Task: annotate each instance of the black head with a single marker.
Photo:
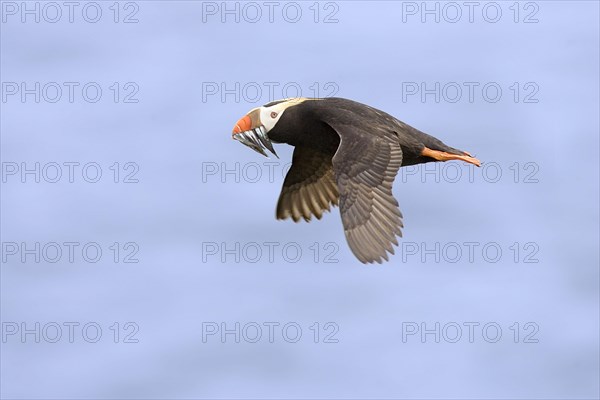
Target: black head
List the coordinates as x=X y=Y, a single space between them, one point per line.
x=278 y=121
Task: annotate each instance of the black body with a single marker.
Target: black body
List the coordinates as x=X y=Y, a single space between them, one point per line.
x=348 y=153
x=310 y=124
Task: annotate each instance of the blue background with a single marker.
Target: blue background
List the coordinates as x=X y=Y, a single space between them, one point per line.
x=175 y=132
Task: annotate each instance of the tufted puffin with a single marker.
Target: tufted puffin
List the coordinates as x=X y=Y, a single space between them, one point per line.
x=345 y=153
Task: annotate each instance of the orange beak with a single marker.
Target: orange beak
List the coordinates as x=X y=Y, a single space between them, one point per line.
x=243 y=125
x=249 y=131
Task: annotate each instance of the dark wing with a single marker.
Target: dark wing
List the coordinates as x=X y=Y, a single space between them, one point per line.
x=365 y=166
x=309 y=187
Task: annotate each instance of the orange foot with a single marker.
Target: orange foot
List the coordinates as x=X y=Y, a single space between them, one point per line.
x=443 y=156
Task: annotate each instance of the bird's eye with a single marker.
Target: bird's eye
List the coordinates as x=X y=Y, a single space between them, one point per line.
x=273 y=114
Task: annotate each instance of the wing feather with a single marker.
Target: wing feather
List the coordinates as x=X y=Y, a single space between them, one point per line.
x=309 y=187
x=365 y=166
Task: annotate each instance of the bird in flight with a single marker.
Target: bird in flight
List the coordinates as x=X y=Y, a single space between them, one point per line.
x=345 y=153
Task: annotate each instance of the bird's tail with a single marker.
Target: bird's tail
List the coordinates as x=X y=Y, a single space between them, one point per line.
x=436 y=150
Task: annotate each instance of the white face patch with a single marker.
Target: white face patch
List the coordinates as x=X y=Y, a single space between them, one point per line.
x=270 y=115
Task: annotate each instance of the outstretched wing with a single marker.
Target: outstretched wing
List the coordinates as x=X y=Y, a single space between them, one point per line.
x=309 y=187
x=365 y=166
